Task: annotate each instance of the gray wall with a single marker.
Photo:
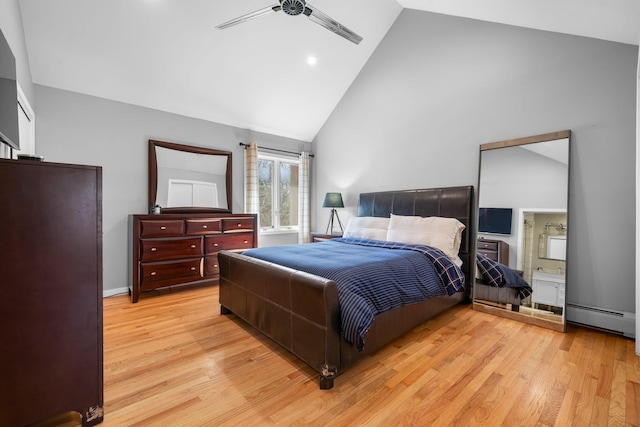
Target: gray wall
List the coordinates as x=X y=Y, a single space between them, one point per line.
x=438 y=86
x=75 y=128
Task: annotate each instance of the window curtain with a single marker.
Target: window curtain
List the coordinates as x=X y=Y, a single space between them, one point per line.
x=251 y=196
x=304 y=218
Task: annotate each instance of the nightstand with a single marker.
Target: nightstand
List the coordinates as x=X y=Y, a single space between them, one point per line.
x=496 y=250
x=321 y=237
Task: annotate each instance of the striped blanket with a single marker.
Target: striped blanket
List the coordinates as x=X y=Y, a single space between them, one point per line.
x=371 y=276
x=499 y=275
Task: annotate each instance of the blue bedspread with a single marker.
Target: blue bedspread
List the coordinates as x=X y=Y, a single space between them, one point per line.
x=371 y=276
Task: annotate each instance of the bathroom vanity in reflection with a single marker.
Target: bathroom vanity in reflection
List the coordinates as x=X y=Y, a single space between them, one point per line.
x=548 y=289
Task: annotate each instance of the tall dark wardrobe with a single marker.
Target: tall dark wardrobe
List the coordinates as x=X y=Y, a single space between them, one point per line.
x=51 y=356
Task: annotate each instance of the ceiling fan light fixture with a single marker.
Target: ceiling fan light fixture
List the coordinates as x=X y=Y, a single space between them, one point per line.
x=293 y=7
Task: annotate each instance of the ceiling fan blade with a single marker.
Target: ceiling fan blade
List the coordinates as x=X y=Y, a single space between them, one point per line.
x=331 y=24
x=239 y=20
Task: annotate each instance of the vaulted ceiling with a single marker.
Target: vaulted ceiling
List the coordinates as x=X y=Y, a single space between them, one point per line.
x=168 y=55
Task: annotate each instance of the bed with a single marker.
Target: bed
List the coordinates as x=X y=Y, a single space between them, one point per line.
x=301 y=311
x=498 y=284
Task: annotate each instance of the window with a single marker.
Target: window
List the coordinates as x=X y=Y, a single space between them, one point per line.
x=278 y=193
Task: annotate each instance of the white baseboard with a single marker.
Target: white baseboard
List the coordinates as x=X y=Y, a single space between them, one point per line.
x=111 y=292
x=617 y=321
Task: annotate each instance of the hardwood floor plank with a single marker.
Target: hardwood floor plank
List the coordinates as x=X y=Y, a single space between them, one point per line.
x=552 y=404
x=502 y=400
x=568 y=409
x=617 y=396
x=600 y=412
x=633 y=362
x=172 y=359
x=632 y=417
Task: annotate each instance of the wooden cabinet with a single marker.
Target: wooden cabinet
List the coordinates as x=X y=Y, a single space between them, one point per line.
x=176 y=249
x=51 y=284
x=321 y=237
x=496 y=250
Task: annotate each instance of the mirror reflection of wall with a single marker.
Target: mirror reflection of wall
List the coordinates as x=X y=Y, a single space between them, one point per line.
x=527 y=177
x=517 y=177
x=185 y=167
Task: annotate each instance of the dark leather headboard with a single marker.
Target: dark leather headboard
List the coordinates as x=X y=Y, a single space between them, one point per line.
x=452 y=202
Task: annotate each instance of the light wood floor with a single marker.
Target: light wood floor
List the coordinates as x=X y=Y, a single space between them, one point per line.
x=173 y=360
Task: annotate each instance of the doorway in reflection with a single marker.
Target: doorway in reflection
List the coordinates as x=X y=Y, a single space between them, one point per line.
x=542 y=260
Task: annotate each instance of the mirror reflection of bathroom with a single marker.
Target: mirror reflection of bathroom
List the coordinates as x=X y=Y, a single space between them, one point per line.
x=542 y=259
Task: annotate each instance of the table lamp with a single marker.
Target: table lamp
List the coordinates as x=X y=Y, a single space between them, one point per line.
x=333 y=201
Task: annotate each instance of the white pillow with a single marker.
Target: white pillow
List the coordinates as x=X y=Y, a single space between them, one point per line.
x=442 y=233
x=367 y=227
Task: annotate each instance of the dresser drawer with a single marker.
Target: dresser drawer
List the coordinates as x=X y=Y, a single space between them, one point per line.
x=204 y=226
x=211 y=267
x=492 y=255
x=215 y=244
x=161 y=228
x=237 y=224
x=489 y=246
x=157 y=274
x=165 y=249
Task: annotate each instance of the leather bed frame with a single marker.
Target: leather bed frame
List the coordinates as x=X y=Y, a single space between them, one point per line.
x=301 y=311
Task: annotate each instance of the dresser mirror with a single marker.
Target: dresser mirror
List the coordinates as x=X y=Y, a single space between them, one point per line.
x=522 y=224
x=189 y=179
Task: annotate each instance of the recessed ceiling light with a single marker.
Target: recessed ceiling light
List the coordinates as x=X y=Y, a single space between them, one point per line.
x=311 y=60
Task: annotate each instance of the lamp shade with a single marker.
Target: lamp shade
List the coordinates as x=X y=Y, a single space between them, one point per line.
x=333 y=200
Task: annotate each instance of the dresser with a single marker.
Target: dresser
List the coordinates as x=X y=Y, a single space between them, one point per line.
x=51 y=285
x=496 y=250
x=182 y=249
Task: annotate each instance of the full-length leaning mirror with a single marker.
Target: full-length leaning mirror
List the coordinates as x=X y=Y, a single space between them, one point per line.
x=185 y=178
x=522 y=225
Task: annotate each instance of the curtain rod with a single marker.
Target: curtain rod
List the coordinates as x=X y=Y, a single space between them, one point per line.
x=275 y=149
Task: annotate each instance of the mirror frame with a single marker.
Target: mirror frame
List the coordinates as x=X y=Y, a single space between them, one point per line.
x=503 y=312
x=153 y=176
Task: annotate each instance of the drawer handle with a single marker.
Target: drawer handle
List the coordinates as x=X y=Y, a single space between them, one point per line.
x=193 y=246
x=204 y=226
x=193 y=269
x=215 y=265
x=246 y=241
x=153 y=273
x=154 y=249
x=215 y=245
x=239 y=225
x=163 y=227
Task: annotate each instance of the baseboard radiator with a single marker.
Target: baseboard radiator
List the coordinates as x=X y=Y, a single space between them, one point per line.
x=620 y=322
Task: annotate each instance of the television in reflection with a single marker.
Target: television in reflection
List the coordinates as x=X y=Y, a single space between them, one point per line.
x=495 y=220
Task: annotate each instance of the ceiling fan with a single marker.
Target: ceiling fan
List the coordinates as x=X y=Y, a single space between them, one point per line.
x=298 y=7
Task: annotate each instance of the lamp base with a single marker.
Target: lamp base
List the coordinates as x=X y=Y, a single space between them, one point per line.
x=330 y=224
